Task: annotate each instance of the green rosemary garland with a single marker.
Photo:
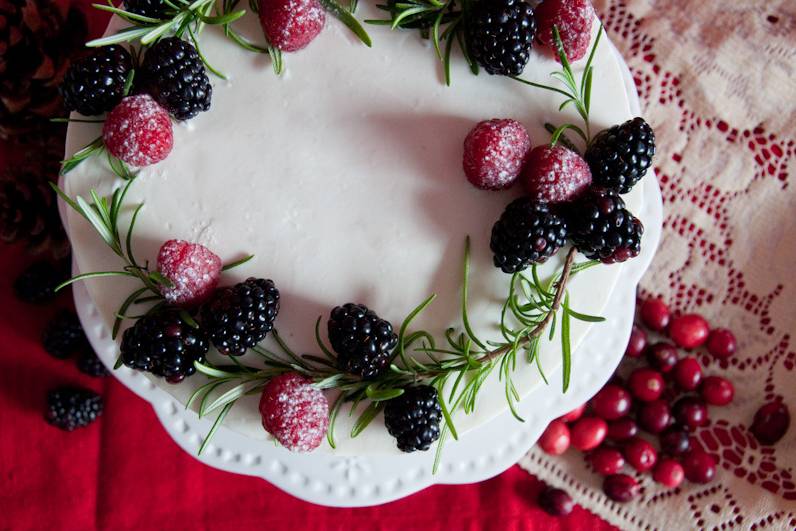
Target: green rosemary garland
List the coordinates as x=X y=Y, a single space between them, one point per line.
x=442 y=21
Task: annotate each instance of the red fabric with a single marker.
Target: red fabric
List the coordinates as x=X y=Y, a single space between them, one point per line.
x=124 y=471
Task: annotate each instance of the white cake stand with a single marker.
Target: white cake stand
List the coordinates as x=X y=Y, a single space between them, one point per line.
x=479 y=454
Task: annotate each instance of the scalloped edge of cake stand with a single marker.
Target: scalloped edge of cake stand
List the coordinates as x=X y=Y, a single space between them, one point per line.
x=329 y=480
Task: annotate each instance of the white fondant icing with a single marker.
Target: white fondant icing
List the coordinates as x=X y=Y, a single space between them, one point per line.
x=344 y=178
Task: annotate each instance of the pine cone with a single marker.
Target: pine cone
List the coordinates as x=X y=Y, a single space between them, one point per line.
x=29 y=213
x=37 y=40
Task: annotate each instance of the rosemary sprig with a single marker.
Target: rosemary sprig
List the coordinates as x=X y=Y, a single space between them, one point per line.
x=576 y=93
x=442 y=21
x=103 y=215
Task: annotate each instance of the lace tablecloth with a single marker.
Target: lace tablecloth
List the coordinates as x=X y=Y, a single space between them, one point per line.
x=717 y=82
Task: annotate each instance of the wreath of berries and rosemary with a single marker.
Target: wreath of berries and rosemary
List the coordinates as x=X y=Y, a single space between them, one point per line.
x=417 y=378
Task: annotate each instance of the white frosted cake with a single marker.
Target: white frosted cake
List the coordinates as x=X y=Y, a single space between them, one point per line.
x=343 y=177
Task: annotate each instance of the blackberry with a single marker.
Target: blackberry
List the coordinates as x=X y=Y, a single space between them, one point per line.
x=363 y=341
x=413 y=418
x=173 y=74
x=37 y=283
x=64 y=335
x=239 y=317
x=148 y=8
x=621 y=155
x=165 y=345
x=95 y=84
x=500 y=35
x=89 y=363
x=527 y=233
x=69 y=408
x=602 y=228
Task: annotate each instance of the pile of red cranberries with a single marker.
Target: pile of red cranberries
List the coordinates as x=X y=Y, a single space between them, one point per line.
x=660 y=392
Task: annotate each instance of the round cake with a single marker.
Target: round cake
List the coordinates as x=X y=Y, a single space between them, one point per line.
x=343 y=178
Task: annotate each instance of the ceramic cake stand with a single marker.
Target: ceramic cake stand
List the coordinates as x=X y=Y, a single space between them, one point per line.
x=481 y=453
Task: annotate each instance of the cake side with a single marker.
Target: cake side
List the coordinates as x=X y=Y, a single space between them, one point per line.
x=362 y=199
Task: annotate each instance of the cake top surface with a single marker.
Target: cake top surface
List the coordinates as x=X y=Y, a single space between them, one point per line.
x=343 y=178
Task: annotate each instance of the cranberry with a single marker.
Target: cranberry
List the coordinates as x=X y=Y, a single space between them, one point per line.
x=669 y=473
x=654 y=416
x=555 y=502
x=606 y=461
x=620 y=488
x=721 y=343
x=771 y=422
x=637 y=342
x=717 y=391
x=588 y=433
x=622 y=429
x=611 y=403
x=699 y=466
x=573 y=415
x=689 y=331
x=646 y=384
x=691 y=412
x=640 y=454
x=688 y=373
x=555 y=439
x=675 y=441
x=662 y=356
x=655 y=314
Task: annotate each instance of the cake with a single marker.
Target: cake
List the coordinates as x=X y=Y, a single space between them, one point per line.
x=343 y=178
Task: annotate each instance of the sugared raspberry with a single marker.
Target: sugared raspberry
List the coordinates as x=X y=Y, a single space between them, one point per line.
x=573 y=18
x=138 y=131
x=494 y=153
x=295 y=412
x=193 y=270
x=291 y=25
x=555 y=174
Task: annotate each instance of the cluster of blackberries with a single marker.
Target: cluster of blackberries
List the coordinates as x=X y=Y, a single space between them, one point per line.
x=172 y=72
x=167 y=342
x=365 y=345
x=596 y=222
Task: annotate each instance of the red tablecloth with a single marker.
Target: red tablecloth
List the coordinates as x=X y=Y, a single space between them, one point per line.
x=124 y=472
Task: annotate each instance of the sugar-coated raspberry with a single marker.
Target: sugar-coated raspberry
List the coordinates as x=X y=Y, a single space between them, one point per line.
x=291 y=25
x=193 y=270
x=495 y=152
x=573 y=18
x=295 y=412
x=555 y=174
x=138 y=131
